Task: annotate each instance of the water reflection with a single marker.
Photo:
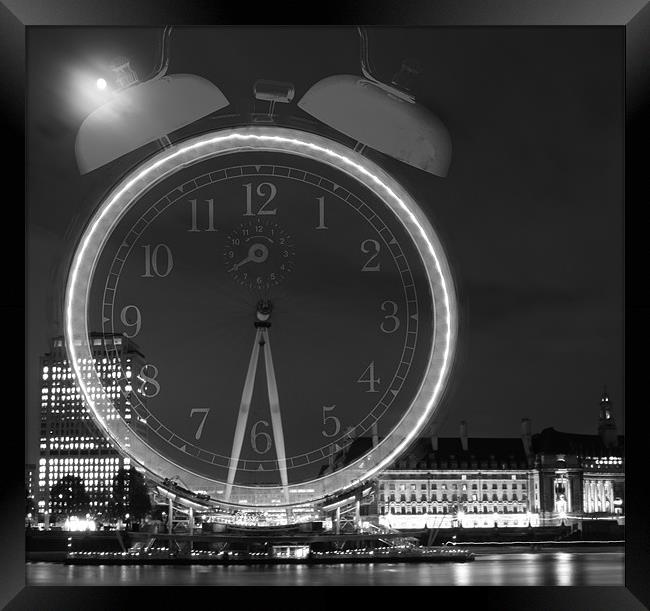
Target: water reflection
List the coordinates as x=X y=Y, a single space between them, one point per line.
x=520 y=569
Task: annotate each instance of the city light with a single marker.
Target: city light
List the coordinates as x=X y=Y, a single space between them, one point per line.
x=74 y=524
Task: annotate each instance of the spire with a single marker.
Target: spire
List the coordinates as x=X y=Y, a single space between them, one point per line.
x=606 y=423
x=605 y=407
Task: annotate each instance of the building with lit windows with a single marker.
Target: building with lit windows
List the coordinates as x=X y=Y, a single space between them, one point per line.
x=547 y=479
x=581 y=476
x=30 y=472
x=70 y=441
x=468 y=482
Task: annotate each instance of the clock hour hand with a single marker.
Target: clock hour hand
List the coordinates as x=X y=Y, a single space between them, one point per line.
x=276 y=418
x=244 y=408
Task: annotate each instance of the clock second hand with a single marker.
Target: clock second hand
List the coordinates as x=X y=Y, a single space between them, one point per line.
x=276 y=418
x=261 y=341
x=244 y=407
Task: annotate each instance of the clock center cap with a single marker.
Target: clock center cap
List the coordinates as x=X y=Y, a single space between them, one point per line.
x=258 y=253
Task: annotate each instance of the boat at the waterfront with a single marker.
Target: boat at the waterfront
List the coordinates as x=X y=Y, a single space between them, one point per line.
x=384 y=554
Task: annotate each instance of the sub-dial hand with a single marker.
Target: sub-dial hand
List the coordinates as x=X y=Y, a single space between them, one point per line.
x=257 y=253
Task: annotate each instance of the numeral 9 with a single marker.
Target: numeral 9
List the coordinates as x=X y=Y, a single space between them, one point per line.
x=138 y=319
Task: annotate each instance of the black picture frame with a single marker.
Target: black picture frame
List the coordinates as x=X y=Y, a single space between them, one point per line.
x=632 y=17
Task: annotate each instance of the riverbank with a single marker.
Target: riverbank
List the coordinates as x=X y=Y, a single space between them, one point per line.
x=475 y=549
x=557 y=568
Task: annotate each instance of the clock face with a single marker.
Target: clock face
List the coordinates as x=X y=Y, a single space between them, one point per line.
x=282 y=311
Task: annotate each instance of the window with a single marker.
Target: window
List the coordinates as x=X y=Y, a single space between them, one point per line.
x=484 y=486
x=454 y=487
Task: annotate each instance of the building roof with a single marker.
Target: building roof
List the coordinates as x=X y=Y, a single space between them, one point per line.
x=550 y=441
x=482 y=453
x=490 y=453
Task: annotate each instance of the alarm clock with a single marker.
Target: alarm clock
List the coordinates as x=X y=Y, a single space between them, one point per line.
x=289 y=301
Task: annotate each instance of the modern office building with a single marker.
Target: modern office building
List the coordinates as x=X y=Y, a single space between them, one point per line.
x=71 y=444
x=30 y=472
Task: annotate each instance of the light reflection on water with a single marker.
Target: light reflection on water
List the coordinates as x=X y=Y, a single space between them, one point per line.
x=525 y=569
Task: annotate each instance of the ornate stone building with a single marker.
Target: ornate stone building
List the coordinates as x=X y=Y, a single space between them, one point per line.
x=547 y=479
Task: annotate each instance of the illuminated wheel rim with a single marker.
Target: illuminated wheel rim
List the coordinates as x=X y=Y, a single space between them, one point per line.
x=269 y=139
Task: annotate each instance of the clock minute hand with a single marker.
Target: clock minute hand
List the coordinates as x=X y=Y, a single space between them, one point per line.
x=274 y=404
x=244 y=407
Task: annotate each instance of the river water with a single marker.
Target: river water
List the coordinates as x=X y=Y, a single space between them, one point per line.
x=489 y=569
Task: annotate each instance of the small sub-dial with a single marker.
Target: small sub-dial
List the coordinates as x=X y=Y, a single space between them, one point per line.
x=259 y=254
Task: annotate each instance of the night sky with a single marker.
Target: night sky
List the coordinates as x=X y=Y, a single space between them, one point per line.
x=530 y=214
